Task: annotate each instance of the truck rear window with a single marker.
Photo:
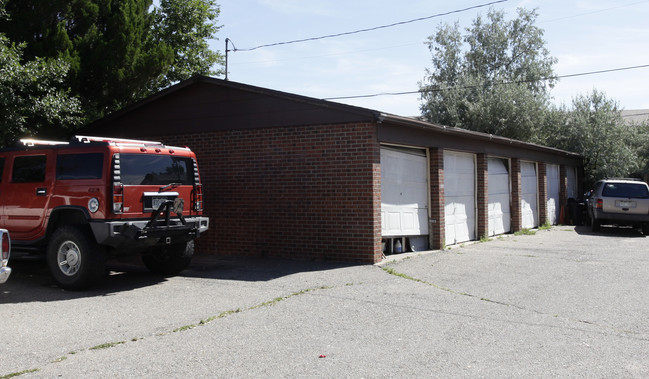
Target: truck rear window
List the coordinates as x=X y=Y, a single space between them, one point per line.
x=144 y=169
x=627 y=190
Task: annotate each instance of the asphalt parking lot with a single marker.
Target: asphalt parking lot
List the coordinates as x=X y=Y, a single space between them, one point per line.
x=562 y=302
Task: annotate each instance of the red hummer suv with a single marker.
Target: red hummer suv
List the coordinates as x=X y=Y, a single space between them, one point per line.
x=82 y=201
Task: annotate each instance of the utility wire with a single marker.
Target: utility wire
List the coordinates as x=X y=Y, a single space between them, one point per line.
x=503 y=83
x=593 y=12
x=369 y=29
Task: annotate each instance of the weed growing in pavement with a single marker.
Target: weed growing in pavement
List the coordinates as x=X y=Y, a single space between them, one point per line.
x=545 y=226
x=107 y=345
x=15 y=374
x=182 y=328
x=282 y=298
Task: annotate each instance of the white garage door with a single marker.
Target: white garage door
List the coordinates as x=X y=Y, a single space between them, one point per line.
x=459 y=197
x=498 y=183
x=552 y=174
x=529 y=189
x=571 y=174
x=404 y=192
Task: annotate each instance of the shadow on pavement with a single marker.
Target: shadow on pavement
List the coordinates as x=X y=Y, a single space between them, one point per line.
x=31 y=281
x=612 y=231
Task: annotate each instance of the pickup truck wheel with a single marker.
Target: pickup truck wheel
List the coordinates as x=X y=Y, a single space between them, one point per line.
x=169 y=260
x=645 y=229
x=595 y=225
x=74 y=258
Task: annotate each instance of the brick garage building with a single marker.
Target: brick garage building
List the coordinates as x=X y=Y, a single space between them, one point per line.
x=296 y=177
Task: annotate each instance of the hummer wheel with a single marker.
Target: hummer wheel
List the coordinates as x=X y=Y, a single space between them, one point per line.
x=74 y=258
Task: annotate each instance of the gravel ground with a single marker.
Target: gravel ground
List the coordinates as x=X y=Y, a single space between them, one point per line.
x=562 y=302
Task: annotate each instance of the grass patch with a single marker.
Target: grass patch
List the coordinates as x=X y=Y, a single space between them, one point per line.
x=525 y=232
x=545 y=226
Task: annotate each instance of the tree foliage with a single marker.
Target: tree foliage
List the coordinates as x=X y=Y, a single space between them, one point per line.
x=34 y=99
x=186 y=26
x=118 y=51
x=594 y=128
x=495 y=78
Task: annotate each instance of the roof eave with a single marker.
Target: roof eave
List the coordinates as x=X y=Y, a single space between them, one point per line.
x=411 y=122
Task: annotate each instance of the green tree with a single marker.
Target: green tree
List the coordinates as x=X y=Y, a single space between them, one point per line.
x=119 y=51
x=186 y=26
x=33 y=97
x=495 y=78
x=594 y=128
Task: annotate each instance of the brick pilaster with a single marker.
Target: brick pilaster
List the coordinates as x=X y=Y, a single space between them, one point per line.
x=437 y=231
x=542 y=179
x=563 y=195
x=517 y=218
x=482 y=195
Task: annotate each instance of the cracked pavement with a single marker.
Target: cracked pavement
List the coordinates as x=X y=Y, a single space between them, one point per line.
x=562 y=302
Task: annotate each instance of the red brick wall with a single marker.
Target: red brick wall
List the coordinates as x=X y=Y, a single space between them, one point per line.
x=309 y=192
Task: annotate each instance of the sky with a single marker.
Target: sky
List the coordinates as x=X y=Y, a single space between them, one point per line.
x=585 y=36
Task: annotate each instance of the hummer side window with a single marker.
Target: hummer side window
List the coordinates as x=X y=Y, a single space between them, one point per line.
x=79 y=166
x=29 y=169
x=2 y=167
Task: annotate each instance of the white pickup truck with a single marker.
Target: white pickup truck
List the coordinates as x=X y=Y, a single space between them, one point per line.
x=5 y=251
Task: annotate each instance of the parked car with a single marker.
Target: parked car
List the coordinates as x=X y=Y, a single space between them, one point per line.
x=91 y=198
x=5 y=252
x=619 y=202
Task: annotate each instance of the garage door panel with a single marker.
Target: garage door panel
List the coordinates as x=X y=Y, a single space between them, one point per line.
x=499 y=214
x=553 y=182
x=459 y=197
x=404 y=193
x=529 y=195
x=571 y=175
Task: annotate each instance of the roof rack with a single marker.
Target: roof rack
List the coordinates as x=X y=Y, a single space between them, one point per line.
x=80 y=140
x=628 y=179
x=88 y=139
x=39 y=142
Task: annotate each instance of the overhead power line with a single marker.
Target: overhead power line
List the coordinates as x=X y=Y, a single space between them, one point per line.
x=593 y=12
x=503 y=83
x=368 y=29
